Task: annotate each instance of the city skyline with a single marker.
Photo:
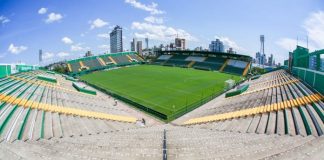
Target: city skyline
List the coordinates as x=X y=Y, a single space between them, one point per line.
x=66 y=31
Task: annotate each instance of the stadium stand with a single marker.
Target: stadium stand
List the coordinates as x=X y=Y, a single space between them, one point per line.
x=277 y=115
x=177 y=60
x=276 y=103
x=87 y=64
x=210 y=63
x=123 y=59
x=146 y=143
x=223 y=62
x=33 y=109
x=235 y=66
x=92 y=63
x=106 y=60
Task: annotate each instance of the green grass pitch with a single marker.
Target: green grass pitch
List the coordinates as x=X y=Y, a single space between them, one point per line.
x=163 y=89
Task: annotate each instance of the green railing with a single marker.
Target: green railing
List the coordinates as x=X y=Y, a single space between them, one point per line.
x=313 y=78
x=84 y=90
x=237 y=92
x=48 y=79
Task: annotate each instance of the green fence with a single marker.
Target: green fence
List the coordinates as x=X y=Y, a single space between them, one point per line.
x=313 y=78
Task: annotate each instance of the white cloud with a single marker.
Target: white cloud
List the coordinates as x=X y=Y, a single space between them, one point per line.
x=104 y=46
x=4 y=20
x=103 y=35
x=63 y=54
x=152 y=8
x=98 y=23
x=230 y=43
x=160 y=32
x=289 y=44
x=16 y=49
x=153 y=19
x=314 y=26
x=78 y=47
x=48 y=55
x=42 y=10
x=67 y=40
x=53 y=17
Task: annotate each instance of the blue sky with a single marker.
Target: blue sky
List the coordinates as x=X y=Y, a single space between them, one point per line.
x=67 y=29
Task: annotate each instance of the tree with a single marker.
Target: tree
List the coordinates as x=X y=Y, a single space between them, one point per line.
x=60 y=69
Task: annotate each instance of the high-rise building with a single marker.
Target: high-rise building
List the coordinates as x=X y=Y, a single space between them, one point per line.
x=170 y=47
x=263 y=60
x=199 y=48
x=258 y=58
x=88 y=54
x=262 y=44
x=146 y=43
x=230 y=50
x=116 y=40
x=40 y=55
x=270 y=60
x=180 y=44
x=134 y=44
x=216 y=46
x=139 y=47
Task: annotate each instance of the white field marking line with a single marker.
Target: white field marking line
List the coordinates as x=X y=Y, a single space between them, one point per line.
x=14 y=124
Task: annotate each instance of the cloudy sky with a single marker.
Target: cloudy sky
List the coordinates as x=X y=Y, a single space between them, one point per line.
x=67 y=29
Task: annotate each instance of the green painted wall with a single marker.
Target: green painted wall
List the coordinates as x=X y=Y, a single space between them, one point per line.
x=5 y=70
x=24 y=68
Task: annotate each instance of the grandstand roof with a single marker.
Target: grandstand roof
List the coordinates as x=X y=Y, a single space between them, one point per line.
x=207 y=53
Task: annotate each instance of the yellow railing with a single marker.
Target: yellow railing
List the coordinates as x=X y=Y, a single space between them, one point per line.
x=69 y=67
x=257 y=110
x=64 y=110
x=102 y=62
x=246 y=69
x=264 y=88
x=81 y=64
x=191 y=64
x=224 y=65
x=48 y=85
x=112 y=60
x=129 y=58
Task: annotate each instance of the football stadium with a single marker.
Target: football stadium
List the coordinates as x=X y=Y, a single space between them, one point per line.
x=175 y=107
x=161 y=80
